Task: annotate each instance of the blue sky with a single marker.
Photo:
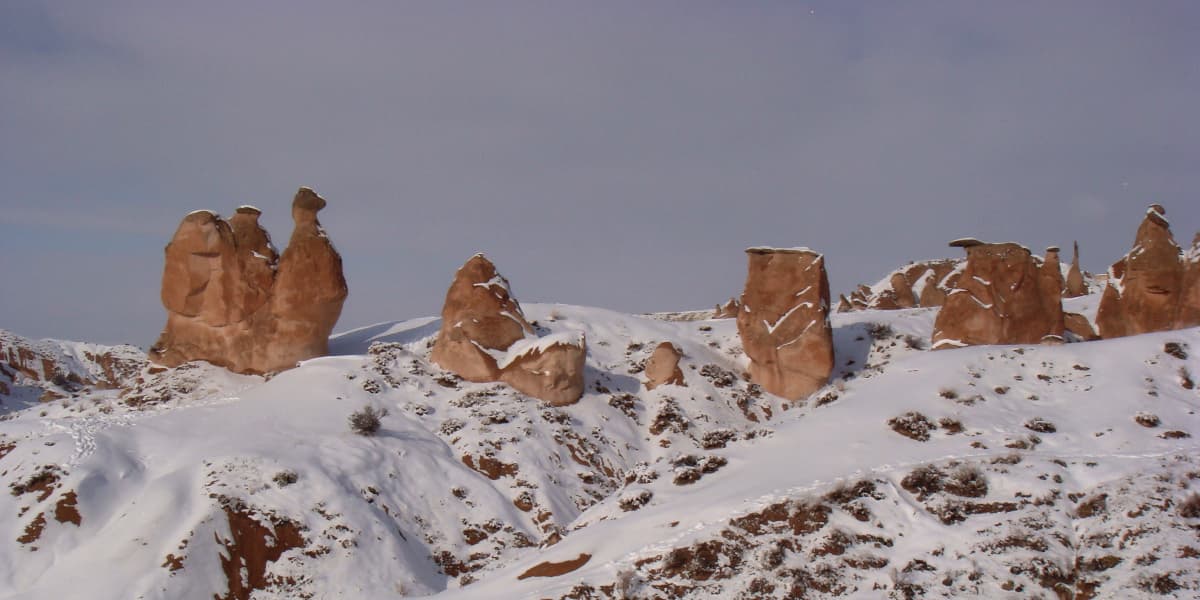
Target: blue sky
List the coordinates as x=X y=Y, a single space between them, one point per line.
x=618 y=154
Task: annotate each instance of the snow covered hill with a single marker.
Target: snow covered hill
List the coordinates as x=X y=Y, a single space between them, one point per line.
x=1004 y=471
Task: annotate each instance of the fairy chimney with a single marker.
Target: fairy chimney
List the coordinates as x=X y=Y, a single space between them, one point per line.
x=784 y=321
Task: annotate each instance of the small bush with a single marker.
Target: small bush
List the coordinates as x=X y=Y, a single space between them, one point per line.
x=1190 y=508
x=367 y=421
x=912 y=425
x=880 y=331
x=1040 y=425
x=968 y=482
x=952 y=426
x=948 y=393
x=914 y=343
x=285 y=478
x=1147 y=419
x=923 y=481
x=1176 y=349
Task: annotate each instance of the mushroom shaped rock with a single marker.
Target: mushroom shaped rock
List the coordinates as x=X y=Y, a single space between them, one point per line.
x=1146 y=288
x=480 y=319
x=1075 y=286
x=1050 y=284
x=784 y=322
x=997 y=300
x=662 y=368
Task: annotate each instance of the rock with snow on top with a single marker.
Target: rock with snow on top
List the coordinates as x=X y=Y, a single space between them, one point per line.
x=998 y=300
x=784 y=325
x=1154 y=287
x=662 y=368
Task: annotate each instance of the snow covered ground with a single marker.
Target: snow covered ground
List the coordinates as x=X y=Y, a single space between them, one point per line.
x=1025 y=472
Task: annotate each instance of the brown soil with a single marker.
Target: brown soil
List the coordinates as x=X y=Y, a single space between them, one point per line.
x=554 y=569
x=67 y=511
x=6 y=447
x=253 y=547
x=33 y=531
x=491 y=467
x=42 y=483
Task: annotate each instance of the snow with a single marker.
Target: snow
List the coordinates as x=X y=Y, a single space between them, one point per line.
x=380 y=506
x=772 y=250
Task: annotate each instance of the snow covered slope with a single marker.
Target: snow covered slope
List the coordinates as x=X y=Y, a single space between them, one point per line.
x=1013 y=471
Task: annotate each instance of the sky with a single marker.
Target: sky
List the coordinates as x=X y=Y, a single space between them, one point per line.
x=613 y=154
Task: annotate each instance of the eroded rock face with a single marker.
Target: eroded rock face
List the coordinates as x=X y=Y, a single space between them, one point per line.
x=1153 y=287
x=1075 y=286
x=662 y=368
x=233 y=301
x=998 y=299
x=484 y=337
x=784 y=322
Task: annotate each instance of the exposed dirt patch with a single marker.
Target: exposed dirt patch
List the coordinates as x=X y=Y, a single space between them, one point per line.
x=492 y=468
x=33 y=531
x=554 y=569
x=67 y=510
x=5 y=448
x=252 y=547
x=42 y=483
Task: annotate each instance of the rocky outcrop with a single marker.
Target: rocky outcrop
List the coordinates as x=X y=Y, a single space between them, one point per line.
x=484 y=337
x=784 y=321
x=1075 y=285
x=662 y=368
x=998 y=300
x=918 y=284
x=1153 y=287
x=232 y=301
x=729 y=310
x=43 y=370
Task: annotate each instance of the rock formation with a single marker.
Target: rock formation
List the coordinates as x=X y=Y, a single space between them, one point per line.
x=233 y=301
x=1050 y=284
x=662 y=368
x=1152 y=288
x=46 y=370
x=1075 y=286
x=922 y=284
x=729 y=310
x=784 y=322
x=998 y=300
x=1080 y=326
x=484 y=337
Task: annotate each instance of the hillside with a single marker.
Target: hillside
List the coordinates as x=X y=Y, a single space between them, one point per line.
x=1027 y=471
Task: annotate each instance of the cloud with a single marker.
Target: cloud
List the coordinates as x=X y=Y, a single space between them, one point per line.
x=614 y=154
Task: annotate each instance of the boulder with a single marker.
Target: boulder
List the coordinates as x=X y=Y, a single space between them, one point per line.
x=784 y=321
x=997 y=300
x=1080 y=326
x=662 y=368
x=484 y=337
x=1075 y=286
x=233 y=301
x=1153 y=287
x=916 y=284
x=549 y=369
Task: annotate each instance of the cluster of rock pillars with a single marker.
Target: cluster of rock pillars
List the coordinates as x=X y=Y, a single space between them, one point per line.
x=236 y=302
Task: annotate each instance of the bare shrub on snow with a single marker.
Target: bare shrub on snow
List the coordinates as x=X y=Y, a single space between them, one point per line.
x=367 y=421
